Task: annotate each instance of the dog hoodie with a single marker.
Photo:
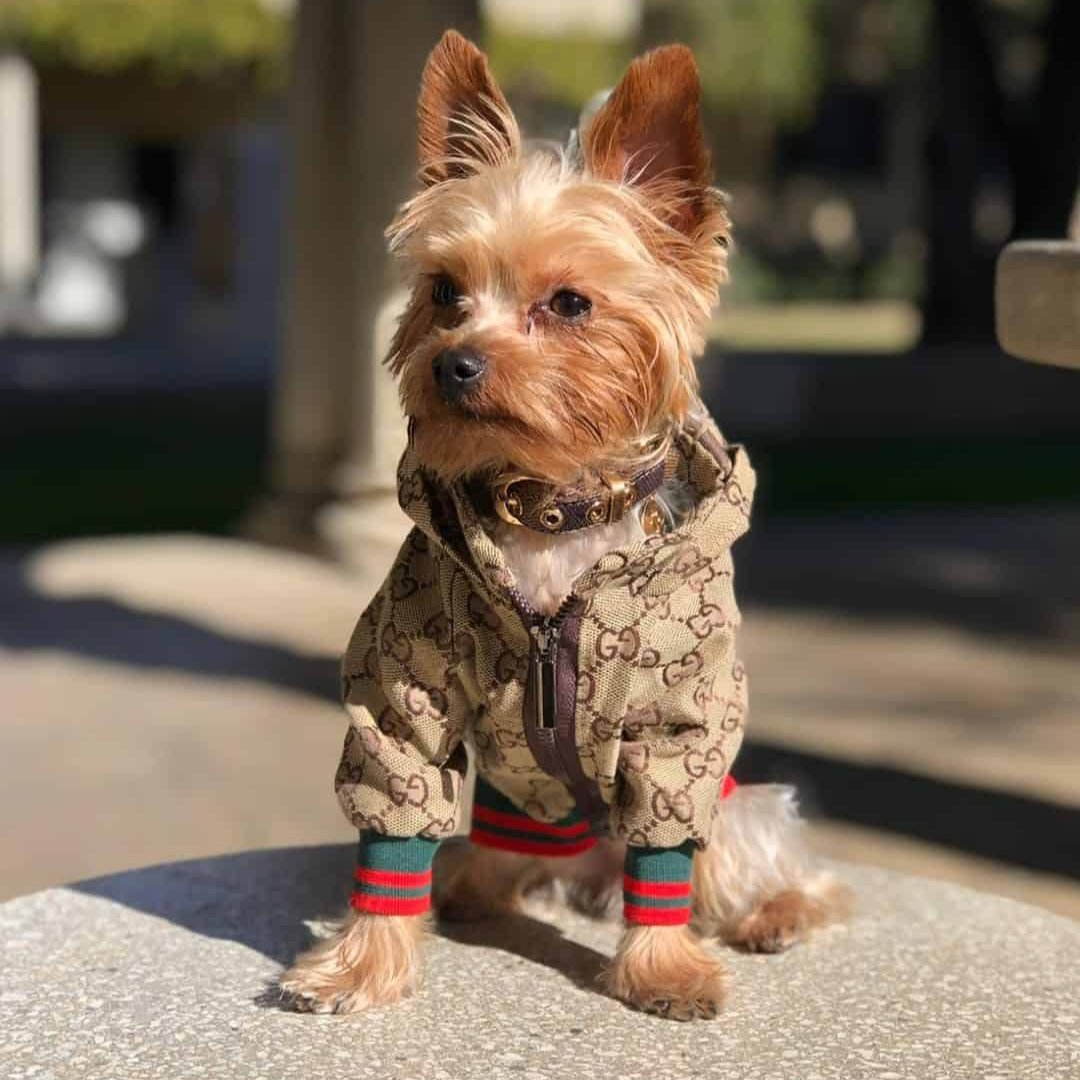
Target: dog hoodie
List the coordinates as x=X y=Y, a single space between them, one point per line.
x=620 y=715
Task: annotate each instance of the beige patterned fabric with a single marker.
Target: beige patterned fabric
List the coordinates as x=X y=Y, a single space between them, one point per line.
x=441 y=656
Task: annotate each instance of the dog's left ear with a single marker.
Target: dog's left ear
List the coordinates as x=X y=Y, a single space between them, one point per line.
x=648 y=133
x=464 y=120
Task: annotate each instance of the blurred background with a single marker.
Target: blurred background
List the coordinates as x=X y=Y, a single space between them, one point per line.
x=197 y=442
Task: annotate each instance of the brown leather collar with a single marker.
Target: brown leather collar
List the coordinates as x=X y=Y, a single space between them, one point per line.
x=547 y=508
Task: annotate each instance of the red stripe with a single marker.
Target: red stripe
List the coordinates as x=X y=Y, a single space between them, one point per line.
x=651 y=916
x=526 y=824
x=655 y=888
x=389 y=905
x=729 y=786
x=530 y=847
x=402 y=879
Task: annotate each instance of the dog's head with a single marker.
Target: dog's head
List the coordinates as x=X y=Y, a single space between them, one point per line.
x=557 y=305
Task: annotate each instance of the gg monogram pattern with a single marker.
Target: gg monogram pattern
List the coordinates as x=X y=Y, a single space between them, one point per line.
x=441 y=656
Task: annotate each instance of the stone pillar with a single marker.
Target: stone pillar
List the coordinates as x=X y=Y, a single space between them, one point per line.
x=338 y=431
x=19 y=190
x=310 y=409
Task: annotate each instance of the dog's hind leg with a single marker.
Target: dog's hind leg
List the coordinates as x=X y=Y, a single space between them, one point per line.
x=473 y=882
x=757 y=885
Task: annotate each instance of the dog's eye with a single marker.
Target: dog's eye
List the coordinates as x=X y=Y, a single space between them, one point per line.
x=444 y=292
x=570 y=305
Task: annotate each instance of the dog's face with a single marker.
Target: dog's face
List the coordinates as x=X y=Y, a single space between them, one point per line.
x=556 y=308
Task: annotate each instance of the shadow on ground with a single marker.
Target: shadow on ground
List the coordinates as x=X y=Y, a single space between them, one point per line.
x=263 y=900
x=1009 y=575
x=102 y=629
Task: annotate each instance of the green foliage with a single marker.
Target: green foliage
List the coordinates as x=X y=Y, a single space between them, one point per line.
x=176 y=39
x=566 y=69
x=767 y=55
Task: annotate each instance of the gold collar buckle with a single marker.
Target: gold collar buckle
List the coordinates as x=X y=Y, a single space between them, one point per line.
x=620 y=497
x=507 y=504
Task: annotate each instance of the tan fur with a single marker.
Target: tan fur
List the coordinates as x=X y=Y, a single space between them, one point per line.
x=757 y=884
x=473 y=883
x=666 y=970
x=368 y=960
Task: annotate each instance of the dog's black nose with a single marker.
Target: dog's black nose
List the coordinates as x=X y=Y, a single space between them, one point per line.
x=457 y=371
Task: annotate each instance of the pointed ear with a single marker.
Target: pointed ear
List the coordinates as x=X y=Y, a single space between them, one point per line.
x=464 y=120
x=648 y=133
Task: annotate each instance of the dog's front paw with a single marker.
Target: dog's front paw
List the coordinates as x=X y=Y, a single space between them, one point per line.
x=665 y=970
x=369 y=960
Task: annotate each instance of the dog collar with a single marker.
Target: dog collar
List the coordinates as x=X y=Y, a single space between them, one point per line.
x=548 y=508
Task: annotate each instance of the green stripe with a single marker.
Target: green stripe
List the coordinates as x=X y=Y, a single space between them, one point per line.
x=412 y=854
x=391 y=890
x=655 y=901
x=660 y=864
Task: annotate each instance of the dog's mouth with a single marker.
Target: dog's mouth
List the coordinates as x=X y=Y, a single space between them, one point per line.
x=478 y=412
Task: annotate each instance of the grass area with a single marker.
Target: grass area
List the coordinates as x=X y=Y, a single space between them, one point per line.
x=85 y=466
x=194 y=461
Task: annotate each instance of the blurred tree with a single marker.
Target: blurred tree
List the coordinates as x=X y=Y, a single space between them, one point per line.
x=975 y=125
x=173 y=39
x=764 y=54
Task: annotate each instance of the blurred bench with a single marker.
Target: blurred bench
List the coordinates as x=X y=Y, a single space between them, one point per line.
x=1037 y=301
x=168 y=972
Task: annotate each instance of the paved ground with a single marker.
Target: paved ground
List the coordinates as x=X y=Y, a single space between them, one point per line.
x=167 y=973
x=174 y=697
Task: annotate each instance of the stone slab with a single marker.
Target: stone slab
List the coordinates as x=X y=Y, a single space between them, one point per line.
x=1037 y=300
x=166 y=972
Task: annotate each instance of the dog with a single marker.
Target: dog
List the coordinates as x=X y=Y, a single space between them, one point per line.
x=563 y=608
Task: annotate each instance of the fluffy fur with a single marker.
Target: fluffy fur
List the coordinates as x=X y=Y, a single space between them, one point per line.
x=631 y=229
x=636 y=228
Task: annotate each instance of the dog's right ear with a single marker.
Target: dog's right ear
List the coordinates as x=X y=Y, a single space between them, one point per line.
x=465 y=122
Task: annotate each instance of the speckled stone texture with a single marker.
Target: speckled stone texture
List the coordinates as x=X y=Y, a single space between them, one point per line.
x=165 y=973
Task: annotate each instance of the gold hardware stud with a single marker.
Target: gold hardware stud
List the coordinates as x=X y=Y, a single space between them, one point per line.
x=552 y=518
x=595 y=514
x=652 y=520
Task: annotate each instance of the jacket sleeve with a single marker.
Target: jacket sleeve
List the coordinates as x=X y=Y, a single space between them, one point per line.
x=403 y=762
x=671 y=772
x=677 y=750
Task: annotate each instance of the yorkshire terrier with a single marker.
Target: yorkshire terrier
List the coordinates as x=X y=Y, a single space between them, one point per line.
x=563 y=606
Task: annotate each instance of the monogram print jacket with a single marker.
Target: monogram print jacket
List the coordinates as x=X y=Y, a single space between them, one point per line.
x=625 y=709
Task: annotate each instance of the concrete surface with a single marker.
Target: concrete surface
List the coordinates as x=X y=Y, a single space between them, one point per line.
x=1037 y=301
x=175 y=697
x=166 y=972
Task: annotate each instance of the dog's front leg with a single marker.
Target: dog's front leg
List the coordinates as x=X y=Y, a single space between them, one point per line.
x=666 y=970
x=369 y=960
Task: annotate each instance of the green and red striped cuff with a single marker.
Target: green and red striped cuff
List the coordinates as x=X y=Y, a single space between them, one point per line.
x=393 y=874
x=656 y=882
x=498 y=823
x=656 y=885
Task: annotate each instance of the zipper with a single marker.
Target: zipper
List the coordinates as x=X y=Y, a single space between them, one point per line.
x=550 y=717
x=545 y=673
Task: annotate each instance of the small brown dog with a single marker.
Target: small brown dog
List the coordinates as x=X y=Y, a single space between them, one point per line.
x=564 y=604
